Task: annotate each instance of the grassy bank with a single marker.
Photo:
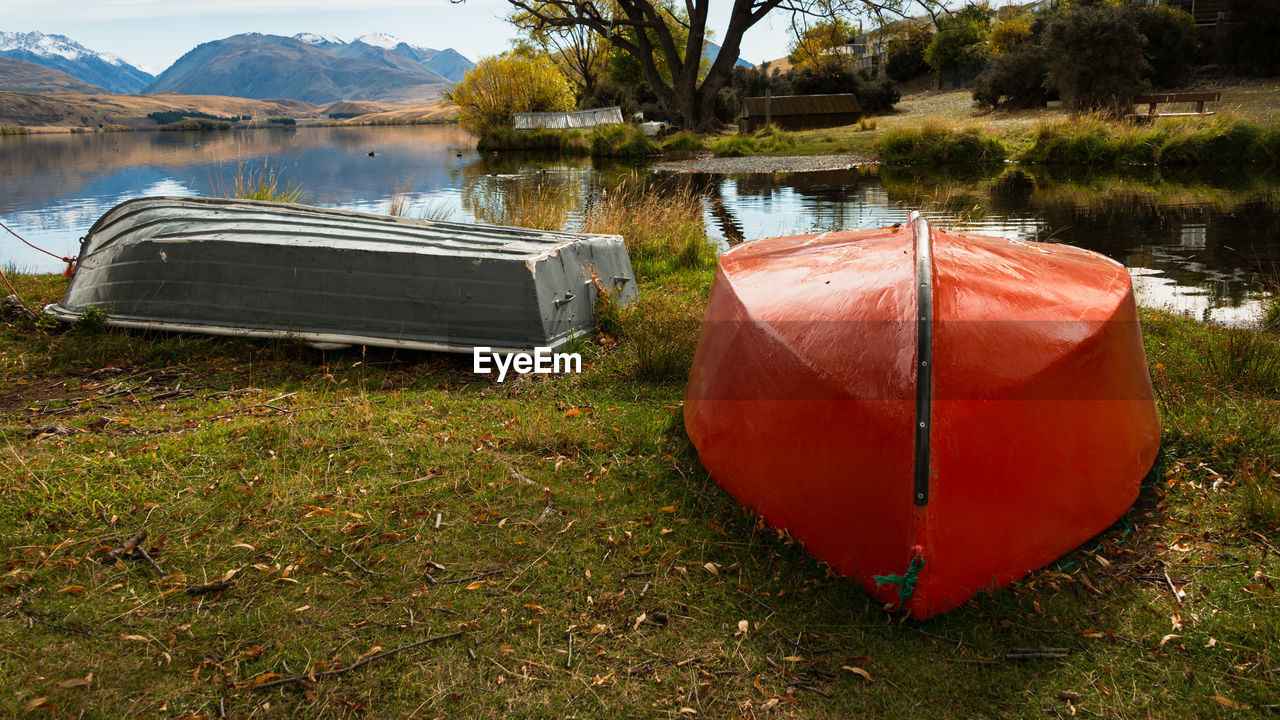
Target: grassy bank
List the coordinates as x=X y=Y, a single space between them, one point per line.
x=612 y=141
x=362 y=501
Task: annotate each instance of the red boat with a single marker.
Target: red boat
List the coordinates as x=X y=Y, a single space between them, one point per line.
x=932 y=413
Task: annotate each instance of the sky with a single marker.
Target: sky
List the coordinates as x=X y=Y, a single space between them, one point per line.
x=152 y=34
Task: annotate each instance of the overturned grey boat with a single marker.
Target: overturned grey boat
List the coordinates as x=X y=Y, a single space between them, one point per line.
x=333 y=277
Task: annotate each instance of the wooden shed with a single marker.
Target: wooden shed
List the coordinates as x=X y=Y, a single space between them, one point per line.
x=797 y=112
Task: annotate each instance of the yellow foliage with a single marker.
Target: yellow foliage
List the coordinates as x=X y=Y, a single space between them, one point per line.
x=499 y=86
x=1009 y=34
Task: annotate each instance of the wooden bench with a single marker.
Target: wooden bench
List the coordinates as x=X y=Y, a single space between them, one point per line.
x=1152 y=100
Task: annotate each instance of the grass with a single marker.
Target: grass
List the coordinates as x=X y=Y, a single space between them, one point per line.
x=614 y=141
x=940 y=145
x=13 y=130
x=267 y=182
x=768 y=140
x=564 y=526
x=1095 y=141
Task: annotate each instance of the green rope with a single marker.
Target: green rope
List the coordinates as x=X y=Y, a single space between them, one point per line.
x=906 y=582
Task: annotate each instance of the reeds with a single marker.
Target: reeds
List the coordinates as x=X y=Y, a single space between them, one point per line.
x=265 y=182
x=662 y=227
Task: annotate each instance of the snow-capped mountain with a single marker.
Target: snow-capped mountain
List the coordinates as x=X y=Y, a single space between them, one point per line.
x=380 y=39
x=391 y=51
x=308 y=67
x=318 y=39
x=60 y=52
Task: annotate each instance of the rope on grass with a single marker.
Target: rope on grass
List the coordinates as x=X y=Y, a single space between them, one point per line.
x=906 y=582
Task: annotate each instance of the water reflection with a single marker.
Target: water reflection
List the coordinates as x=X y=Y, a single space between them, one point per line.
x=1195 y=241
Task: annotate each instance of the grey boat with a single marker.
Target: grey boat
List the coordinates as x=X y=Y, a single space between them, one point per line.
x=333 y=278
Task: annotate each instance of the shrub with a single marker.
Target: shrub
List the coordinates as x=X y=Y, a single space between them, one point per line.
x=500 y=86
x=906 y=53
x=1171 y=43
x=1095 y=57
x=873 y=95
x=1251 y=47
x=1014 y=79
x=961 y=40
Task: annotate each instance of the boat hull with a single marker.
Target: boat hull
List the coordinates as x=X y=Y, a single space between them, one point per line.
x=235 y=267
x=1038 y=426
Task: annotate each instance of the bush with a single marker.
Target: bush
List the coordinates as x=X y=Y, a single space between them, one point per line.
x=906 y=53
x=961 y=40
x=1015 y=79
x=500 y=86
x=873 y=95
x=1171 y=43
x=1251 y=47
x=285 y=121
x=1095 y=57
x=939 y=145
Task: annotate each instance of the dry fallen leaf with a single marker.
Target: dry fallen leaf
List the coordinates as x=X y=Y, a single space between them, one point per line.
x=1167 y=638
x=39 y=702
x=263 y=678
x=134 y=638
x=743 y=627
x=712 y=568
x=477 y=585
x=857 y=671
x=73 y=589
x=1226 y=702
x=640 y=621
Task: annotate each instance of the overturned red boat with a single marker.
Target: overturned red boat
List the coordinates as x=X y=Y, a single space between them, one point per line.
x=932 y=413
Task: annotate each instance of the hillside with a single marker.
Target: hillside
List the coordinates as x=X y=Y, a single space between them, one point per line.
x=436 y=112
x=253 y=65
x=60 y=52
x=83 y=110
x=27 y=77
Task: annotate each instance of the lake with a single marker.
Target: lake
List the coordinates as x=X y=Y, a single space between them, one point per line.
x=1195 y=242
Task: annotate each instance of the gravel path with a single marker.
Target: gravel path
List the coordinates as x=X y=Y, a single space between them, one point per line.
x=765 y=164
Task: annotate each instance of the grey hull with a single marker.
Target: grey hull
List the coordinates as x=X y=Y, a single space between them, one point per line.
x=331 y=277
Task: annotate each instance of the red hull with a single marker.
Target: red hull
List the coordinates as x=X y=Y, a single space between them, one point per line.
x=802 y=402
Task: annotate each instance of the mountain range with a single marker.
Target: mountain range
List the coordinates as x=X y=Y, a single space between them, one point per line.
x=308 y=67
x=60 y=52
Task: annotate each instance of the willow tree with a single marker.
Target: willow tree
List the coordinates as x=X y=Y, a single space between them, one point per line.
x=661 y=35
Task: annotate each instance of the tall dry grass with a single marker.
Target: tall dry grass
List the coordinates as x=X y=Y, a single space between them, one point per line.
x=1095 y=140
x=662 y=226
x=260 y=182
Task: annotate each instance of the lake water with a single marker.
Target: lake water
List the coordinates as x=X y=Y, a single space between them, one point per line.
x=1194 y=242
